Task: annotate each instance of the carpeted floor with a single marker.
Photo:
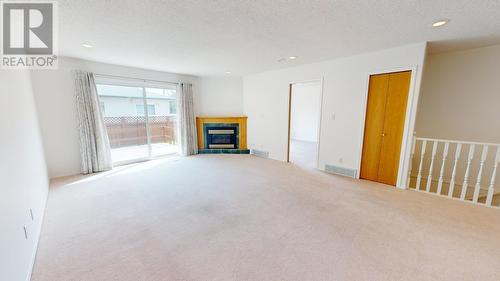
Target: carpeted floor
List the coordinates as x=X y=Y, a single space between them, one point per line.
x=238 y=217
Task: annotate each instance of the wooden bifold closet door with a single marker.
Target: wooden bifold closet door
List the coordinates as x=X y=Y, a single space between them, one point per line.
x=384 y=126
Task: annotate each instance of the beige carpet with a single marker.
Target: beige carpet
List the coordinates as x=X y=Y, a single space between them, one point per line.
x=235 y=217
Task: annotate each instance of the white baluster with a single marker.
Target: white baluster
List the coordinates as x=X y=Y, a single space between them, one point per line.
x=491 y=188
x=453 y=174
x=466 y=177
x=445 y=154
x=477 y=189
x=419 y=176
x=410 y=166
x=433 y=156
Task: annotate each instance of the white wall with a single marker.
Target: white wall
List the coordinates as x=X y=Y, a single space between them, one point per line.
x=461 y=96
x=220 y=96
x=23 y=176
x=55 y=100
x=306 y=106
x=265 y=99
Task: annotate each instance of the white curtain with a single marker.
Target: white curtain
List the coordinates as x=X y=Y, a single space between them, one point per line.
x=94 y=142
x=186 y=120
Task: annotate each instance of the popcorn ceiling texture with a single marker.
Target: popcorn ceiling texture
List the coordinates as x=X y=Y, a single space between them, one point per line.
x=245 y=37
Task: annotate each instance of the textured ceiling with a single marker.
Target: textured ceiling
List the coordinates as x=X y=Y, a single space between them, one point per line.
x=211 y=37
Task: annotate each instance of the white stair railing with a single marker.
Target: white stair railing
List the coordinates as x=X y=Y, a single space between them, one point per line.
x=435 y=174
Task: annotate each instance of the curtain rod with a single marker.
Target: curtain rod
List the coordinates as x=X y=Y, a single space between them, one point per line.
x=132 y=78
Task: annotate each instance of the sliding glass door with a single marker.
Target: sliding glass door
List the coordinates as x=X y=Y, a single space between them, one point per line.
x=141 y=119
x=162 y=120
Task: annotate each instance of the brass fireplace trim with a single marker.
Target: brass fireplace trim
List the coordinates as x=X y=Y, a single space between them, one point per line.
x=240 y=120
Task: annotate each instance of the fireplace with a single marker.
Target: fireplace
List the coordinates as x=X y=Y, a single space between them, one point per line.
x=221 y=136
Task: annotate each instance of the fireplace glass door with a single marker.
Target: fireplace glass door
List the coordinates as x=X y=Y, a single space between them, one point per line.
x=221 y=136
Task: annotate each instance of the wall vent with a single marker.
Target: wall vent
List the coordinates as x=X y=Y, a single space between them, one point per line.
x=260 y=153
x=341 y=171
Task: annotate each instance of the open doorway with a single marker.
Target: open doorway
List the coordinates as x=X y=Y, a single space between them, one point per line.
x=304 y=123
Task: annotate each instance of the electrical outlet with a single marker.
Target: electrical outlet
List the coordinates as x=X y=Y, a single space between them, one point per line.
x=341 y=160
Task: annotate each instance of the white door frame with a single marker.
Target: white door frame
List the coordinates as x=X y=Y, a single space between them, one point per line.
x=290 y=88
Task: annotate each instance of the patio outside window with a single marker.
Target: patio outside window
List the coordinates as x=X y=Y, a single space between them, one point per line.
x=141 y=120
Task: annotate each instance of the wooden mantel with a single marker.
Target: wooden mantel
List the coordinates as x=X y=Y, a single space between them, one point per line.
x=241 y=120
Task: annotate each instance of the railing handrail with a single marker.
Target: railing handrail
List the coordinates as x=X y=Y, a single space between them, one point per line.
x=457 y=141
x=475 y=150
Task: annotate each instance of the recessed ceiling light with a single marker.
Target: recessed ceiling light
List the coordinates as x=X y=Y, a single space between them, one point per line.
x=228 y=72
x=87 y=45
x=292 y=57
x=440 y=23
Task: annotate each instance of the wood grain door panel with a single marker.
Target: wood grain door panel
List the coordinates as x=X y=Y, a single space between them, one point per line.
x=394 y=122
x=374 y=124
x=384 y=126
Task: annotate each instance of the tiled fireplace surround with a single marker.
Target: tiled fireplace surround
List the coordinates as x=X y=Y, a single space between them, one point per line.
x=222 y=135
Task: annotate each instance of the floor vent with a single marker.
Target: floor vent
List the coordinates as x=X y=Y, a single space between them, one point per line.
x=260 y=153
x=341 y=171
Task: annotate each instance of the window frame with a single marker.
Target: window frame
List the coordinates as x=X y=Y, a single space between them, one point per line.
x=143 y=84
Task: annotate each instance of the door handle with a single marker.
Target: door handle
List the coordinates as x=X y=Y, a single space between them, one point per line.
x=383 y=134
